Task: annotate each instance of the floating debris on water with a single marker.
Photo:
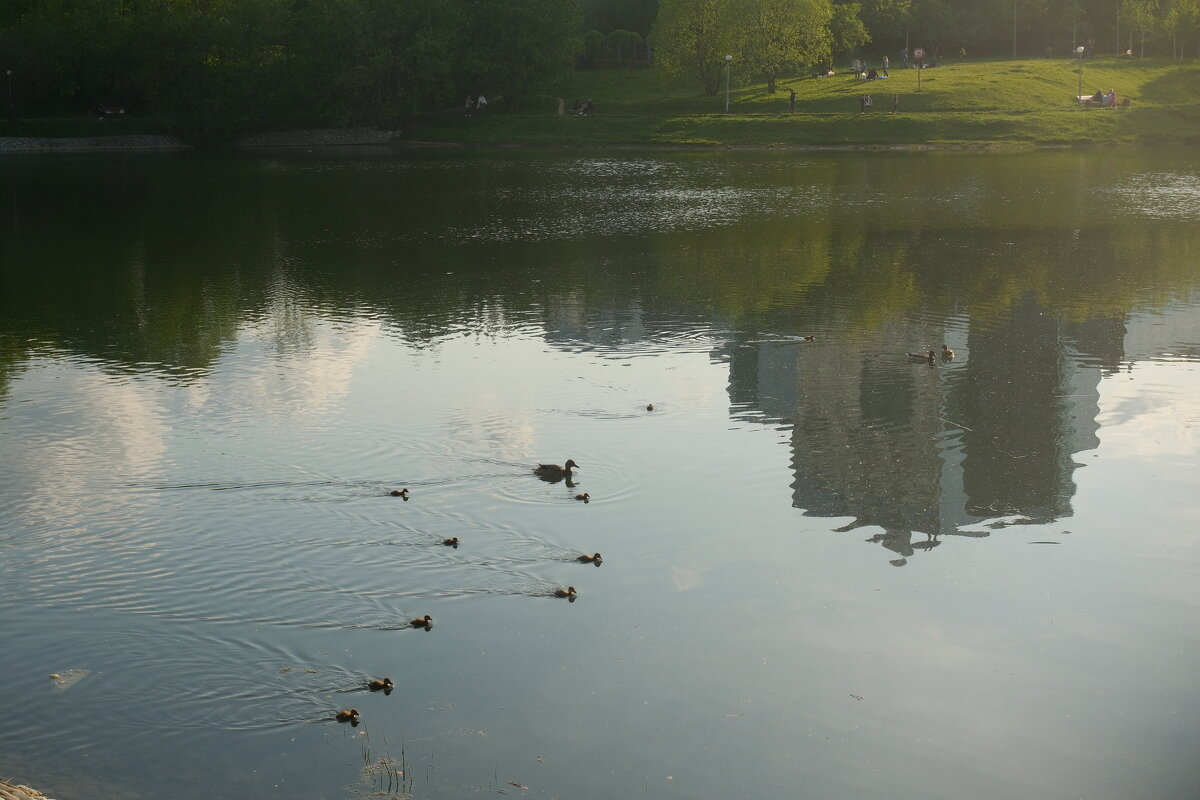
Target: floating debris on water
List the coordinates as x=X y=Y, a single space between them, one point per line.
x=67 y=679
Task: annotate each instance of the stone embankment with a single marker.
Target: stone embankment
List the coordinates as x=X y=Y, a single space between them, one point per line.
x=29 y=144
x=330 y=137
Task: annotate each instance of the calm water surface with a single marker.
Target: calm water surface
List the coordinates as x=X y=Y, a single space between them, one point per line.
x=829 y=571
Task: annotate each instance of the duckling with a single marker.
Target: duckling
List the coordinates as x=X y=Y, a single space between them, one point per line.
x=421 y=622
x=947 y=353
x=452 y=542
x=584 y=496
x=384 y=685
x=553 y=472
x=400 y=493
x=347 y=716
x=921 y=356
x=594 y=559
x=808 y=338
x=567 y=592
x=650 y=406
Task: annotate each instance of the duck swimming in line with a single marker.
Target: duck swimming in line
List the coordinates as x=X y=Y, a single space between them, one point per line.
x=453 y=542
x=384 y=685
x=650 y=406
x=567 y=592
x=553 y=472
x=808 y=338
x=422 y=622
x=347 y=716
x=594 y=559
x=400 y=493
x=921 y=356
x=585 y=497
x=947 y=353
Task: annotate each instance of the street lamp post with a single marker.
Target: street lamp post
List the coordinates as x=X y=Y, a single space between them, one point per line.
x=728 y=61
x=1079 y=55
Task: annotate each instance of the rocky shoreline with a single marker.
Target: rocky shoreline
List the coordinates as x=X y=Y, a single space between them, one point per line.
x=331 y=137
x=11 y=791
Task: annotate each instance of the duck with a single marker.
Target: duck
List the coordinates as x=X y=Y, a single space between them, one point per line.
x=947 y=353
x=553 y=472
x=592 y=559
x=452 y=542
x=650 y=406
x=808 y=338
x=421 y=622
x=567 y=592
x=380 y=685
x=400 y=493
x=921 y=356
x=347 y=716
x=584 y=496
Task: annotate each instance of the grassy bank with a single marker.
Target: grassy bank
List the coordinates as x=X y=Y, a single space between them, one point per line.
x=961 y=103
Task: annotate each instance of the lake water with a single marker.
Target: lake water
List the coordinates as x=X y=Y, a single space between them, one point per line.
x=829 y=571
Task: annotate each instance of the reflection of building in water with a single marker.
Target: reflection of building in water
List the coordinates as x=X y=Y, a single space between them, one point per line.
x=922 y=450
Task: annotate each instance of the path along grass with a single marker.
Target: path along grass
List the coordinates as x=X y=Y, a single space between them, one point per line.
x=960 y=103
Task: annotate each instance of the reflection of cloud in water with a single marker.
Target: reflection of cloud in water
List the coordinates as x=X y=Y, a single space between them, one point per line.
x=1151 y=420
x=113 y=428
x=306 y=379
x=685 y=577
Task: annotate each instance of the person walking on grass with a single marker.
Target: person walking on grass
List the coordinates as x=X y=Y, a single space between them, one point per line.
x=792 y=101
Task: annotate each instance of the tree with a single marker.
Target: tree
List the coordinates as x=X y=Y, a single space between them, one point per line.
x=846 y=29
x=626 y=43
x=692 y=37
x=782 y=35
x=1140 y=15
x=508 y=47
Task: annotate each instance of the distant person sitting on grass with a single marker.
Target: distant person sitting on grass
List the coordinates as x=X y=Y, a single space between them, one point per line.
x=588 y=109
x=576 y=106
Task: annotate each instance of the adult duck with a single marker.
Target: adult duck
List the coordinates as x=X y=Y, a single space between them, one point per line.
x=553 y=472
x=384 y=685
x=567 y=592
x=593 y=559
x=921 y=356
x=400 y=493
x=422 y=622
x=947 y=353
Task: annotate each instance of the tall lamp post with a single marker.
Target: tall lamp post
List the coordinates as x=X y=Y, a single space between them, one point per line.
x=728 y=61
x=1079 y=55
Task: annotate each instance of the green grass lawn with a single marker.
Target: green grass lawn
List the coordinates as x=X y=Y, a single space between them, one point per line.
x=969 y=103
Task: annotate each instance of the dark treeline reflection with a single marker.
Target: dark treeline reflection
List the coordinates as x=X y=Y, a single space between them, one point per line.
x=1033 y=266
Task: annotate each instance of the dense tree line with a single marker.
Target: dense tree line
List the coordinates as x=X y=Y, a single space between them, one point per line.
x=207 y=66
x=769 y=38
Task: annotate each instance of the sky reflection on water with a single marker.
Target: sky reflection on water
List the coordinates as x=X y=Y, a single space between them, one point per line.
x=200 y=425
